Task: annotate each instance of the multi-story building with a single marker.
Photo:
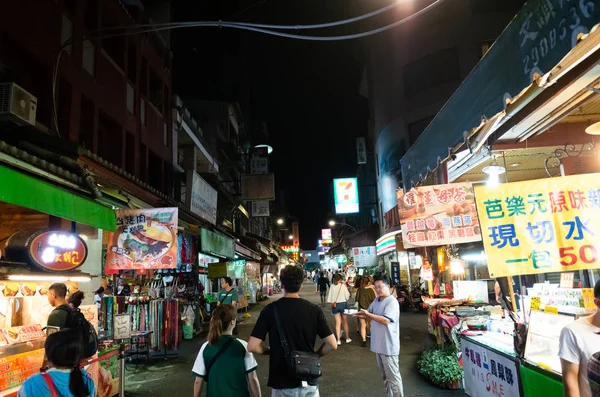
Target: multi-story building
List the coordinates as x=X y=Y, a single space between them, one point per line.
x=412 y=71
x=110 y=94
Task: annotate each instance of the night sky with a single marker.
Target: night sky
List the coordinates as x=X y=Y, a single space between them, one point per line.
x=306 y=92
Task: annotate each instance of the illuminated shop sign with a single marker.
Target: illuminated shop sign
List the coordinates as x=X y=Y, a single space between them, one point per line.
x=290 y=248
x=345 y=191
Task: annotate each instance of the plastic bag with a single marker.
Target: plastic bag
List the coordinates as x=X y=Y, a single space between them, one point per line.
x=188 y=316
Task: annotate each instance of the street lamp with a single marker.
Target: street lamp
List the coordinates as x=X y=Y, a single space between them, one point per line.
x=280 y=221
x=332 y=223
x=291 y=237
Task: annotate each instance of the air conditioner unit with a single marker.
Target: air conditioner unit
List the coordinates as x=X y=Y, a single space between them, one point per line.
x=17 y=105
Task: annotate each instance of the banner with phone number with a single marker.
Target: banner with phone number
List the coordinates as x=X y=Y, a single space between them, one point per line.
x=540 y=226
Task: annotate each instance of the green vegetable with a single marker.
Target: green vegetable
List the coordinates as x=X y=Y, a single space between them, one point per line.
x=440 y=366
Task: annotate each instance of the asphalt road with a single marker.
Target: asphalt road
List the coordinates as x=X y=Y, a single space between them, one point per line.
x=349 y=371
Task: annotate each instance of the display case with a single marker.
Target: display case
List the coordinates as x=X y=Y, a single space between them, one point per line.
x=543 y=338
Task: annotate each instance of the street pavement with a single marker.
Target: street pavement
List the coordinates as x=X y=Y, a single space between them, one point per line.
x=349 y=371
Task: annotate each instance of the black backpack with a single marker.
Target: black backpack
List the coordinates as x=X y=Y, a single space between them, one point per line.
x=76 y=320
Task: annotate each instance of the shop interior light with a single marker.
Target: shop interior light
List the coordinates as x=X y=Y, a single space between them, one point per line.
x=593 y=129
x=269 y=148
x=456 y=267
x=481 y=257
x=494 y=170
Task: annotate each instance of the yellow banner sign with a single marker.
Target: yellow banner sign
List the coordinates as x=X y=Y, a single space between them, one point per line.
x=540 y=226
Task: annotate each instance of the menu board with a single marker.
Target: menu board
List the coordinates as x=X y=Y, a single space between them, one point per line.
x=22 y=334
x=15 y=369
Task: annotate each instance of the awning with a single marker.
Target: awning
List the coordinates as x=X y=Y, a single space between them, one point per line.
x=387 y=243
x=535 y=41
x=246 y=252
x=33 y=193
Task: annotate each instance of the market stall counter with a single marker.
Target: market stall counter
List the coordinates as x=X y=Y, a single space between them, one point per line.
x=491 y=365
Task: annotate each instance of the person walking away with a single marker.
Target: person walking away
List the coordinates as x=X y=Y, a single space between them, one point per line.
x=384 y=315
x=316 y=277
x=56 y=297
x=322 y=286
x=301 y=322
x=338 y=297
x=579 y=341
x=364 y=297
x=64 y=351
x=75 y=299
x=224 y=363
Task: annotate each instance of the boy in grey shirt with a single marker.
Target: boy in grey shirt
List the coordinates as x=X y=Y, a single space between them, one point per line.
x=384 y=314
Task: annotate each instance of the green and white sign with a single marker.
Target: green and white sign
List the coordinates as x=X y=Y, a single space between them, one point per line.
x=345 y=192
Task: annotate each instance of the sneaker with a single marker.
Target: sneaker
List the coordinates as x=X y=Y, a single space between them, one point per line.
x=348 y=340
x=368 y=336
x=339 y=342
x=364 y=343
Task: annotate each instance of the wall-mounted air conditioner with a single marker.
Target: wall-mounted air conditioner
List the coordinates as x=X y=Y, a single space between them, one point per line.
x=16 y=104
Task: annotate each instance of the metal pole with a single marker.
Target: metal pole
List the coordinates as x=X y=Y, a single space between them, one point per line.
x=122 y=370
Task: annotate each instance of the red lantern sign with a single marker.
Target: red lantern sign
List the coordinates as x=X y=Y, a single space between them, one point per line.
x=57 y=250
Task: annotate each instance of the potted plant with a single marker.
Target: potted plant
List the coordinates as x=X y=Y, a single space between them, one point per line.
x=441 y=367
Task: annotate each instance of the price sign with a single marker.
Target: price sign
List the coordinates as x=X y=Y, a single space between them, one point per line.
x=551 y=309
x=567 y=279
x=122 y=326
x=535 y=303
x=588 y=299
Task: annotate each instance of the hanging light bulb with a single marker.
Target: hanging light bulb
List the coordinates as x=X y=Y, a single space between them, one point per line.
x=593 y=129
x=494 y=170
x=457 y=267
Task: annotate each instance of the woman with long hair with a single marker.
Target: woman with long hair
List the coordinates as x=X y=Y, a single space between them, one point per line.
x=338 y=297
x=64 y=350
x=365 y=296
x=75 y=299
x=224 y=362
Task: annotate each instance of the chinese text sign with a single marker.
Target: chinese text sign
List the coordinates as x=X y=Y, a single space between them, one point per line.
x=488 y=373
x=546 y=225
x=438 y=215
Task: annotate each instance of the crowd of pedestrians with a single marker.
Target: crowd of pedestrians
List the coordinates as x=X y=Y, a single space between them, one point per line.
x=292 y=325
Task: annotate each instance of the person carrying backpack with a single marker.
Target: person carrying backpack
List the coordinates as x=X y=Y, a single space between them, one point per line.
x=65 y=316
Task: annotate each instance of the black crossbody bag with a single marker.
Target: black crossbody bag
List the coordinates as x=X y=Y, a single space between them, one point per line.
x=305 y=365
x=217 y=355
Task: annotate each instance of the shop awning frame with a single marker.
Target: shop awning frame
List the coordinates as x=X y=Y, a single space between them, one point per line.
x=33 y=193
x=498 y=79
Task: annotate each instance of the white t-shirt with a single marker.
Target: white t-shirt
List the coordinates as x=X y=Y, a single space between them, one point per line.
x=578 y=342
x=338 y=293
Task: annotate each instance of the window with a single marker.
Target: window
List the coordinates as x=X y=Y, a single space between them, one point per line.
x=155 y=170
x=129 y=152
x=143 y=83
x=66 y=33
x=143 y=111
x=86 y=124
x=165 y=135
x=143 y=173
x=131 y=62
x=130 y=99
x=114 y=47
x=415 y=129
x=64 y=108
x=156 y=91
x=90 y=17
x=89 y=57
x=110 y=140
x=431 y=71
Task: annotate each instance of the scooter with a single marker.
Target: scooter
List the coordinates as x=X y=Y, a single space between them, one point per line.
x=403 y=297
x=417 y=296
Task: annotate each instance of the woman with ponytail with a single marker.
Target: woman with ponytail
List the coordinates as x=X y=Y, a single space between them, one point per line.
x=64 y=378
x=224 y=363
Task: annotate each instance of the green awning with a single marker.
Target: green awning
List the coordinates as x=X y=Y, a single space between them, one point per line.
x=27 y=191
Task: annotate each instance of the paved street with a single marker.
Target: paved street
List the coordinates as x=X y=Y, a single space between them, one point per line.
x=350 y=371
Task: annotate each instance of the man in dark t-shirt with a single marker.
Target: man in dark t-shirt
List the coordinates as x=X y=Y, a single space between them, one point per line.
x=301 y=321
x=57 y=298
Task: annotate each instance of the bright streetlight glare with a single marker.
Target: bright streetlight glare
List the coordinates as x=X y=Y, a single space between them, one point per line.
x=291 y=237
x=331 y=223
x=280 y=221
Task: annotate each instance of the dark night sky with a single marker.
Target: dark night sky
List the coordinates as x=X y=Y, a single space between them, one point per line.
x=306 y=92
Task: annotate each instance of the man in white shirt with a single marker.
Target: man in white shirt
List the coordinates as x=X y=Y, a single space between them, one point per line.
x=578 y=343
x=384 y=314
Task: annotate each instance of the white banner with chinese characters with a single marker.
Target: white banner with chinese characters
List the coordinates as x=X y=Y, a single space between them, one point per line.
x=201 y=198
x=438 y=215
x=260 y=208
x=488 y=373
x=364 y=256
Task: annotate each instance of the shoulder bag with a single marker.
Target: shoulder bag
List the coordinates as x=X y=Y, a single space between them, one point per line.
x=305 y=365
x=50 y=384
x=334 y=303
x=216 y=356
x=225 y=297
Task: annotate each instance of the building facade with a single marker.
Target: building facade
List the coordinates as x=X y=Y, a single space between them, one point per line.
x=413 y=69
